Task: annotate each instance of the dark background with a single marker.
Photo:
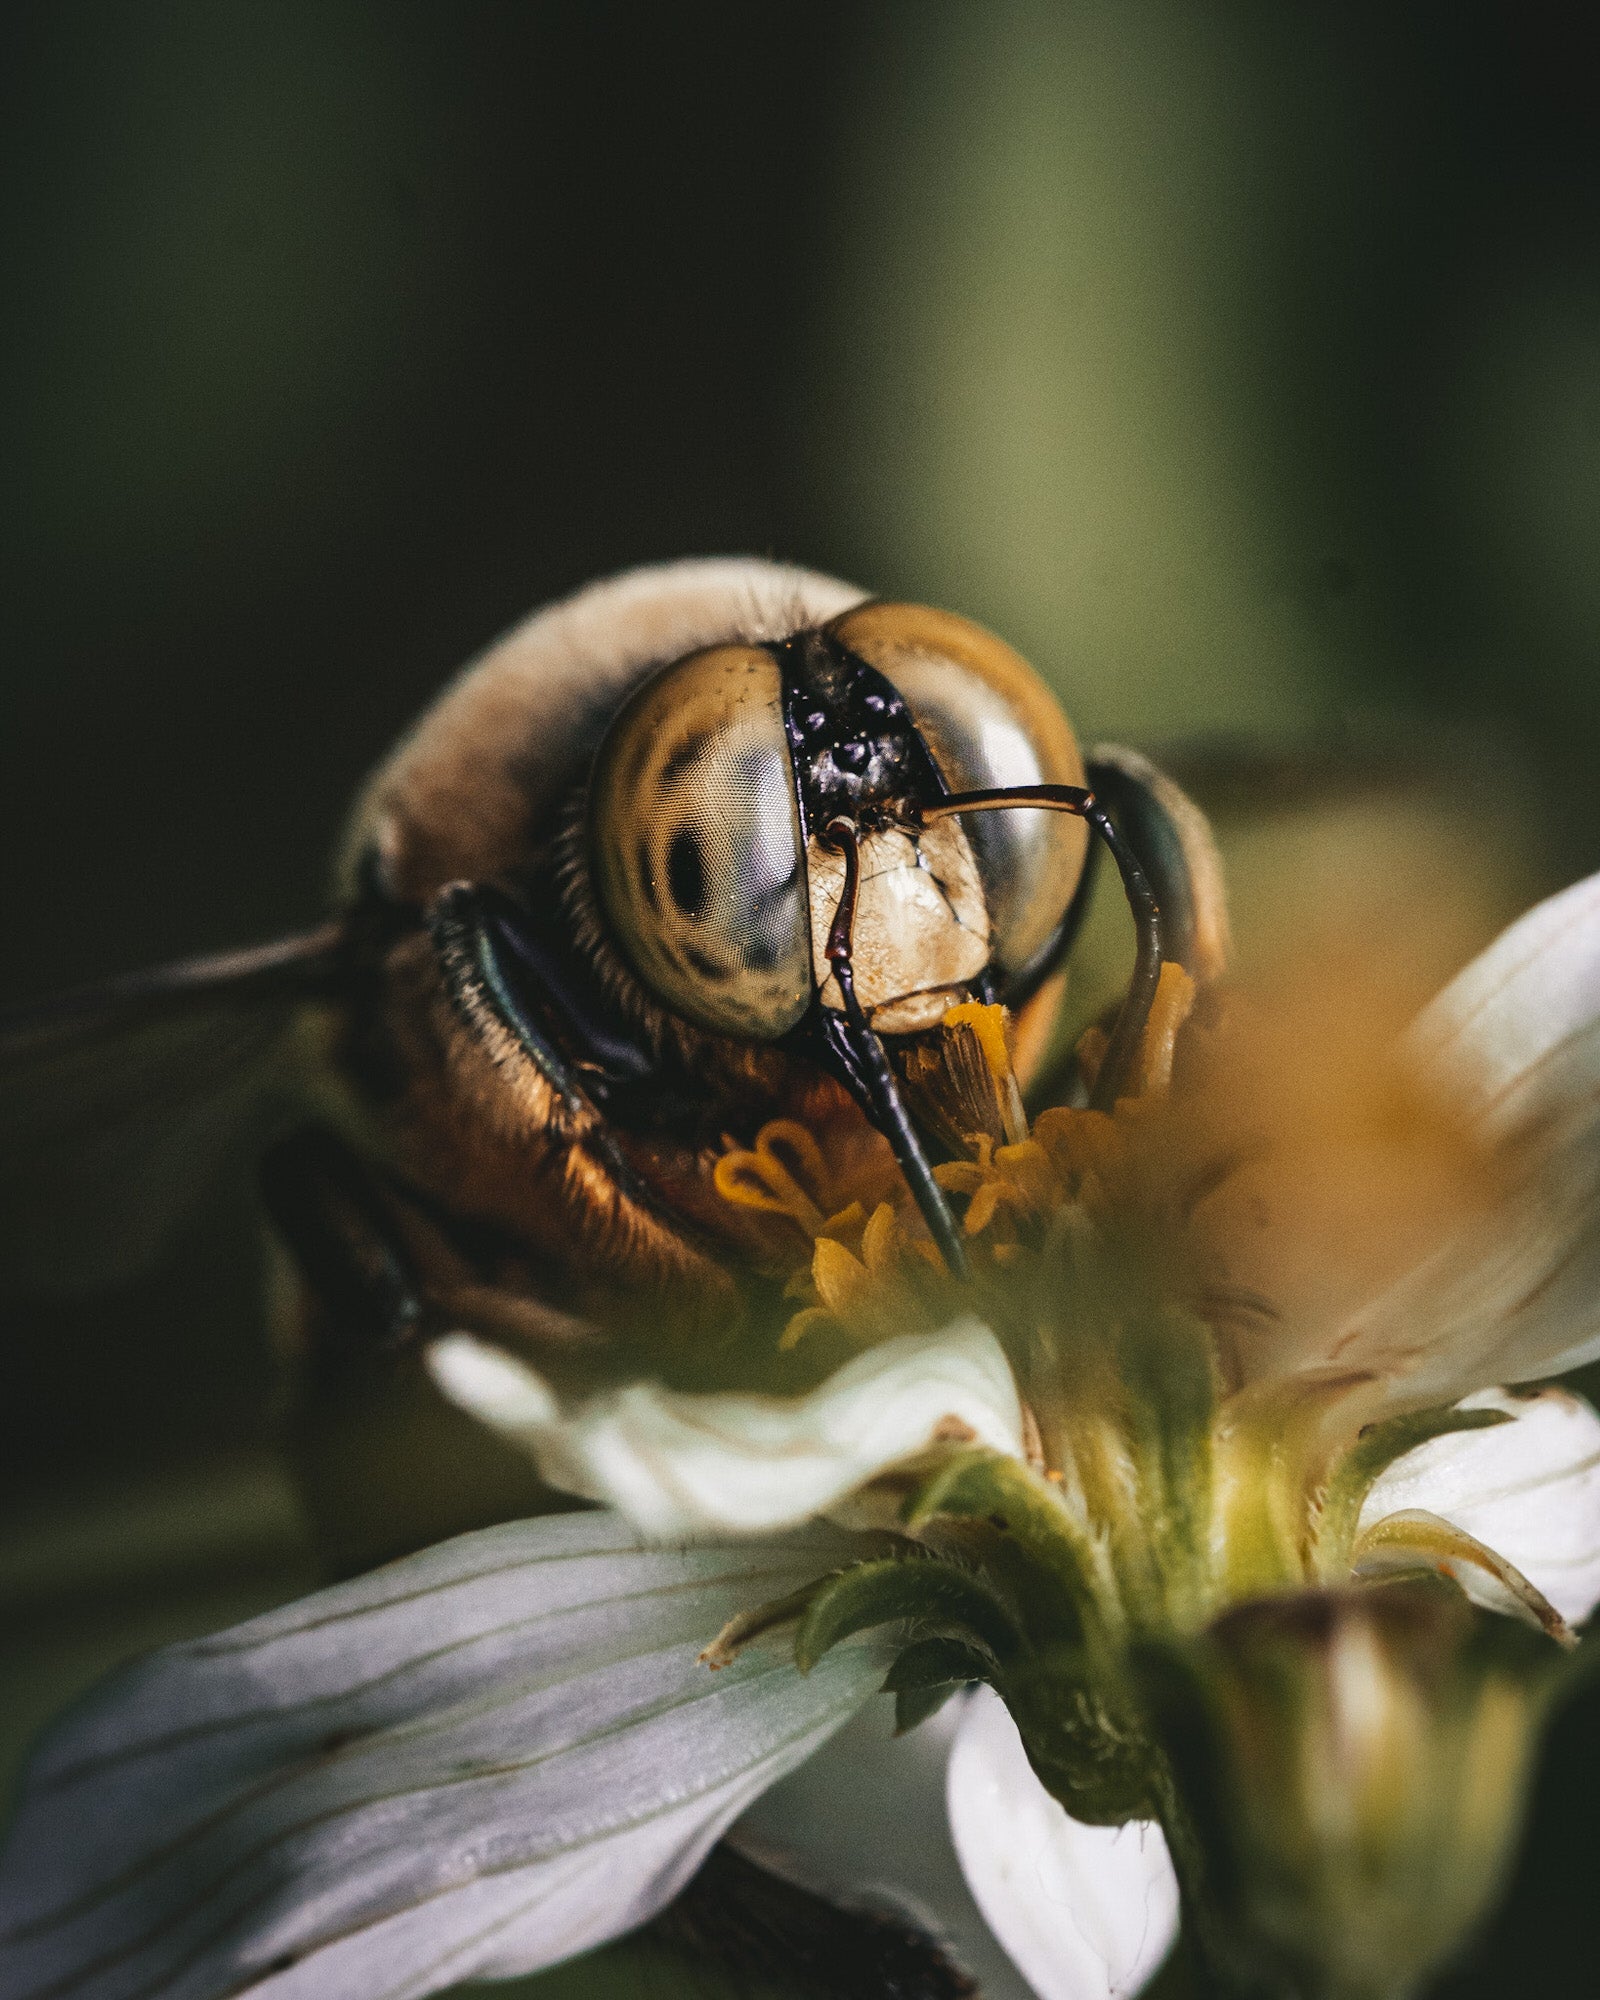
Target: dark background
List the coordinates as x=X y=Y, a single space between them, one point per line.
x=1243 y=366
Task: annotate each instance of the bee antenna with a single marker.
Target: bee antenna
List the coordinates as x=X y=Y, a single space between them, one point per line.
x=1149 y=952
x=894 y=1121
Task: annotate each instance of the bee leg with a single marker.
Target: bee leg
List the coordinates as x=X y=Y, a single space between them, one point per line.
x=385 y=1465
x=340 y=1228
x=754 y=1925
x=1150 y=951
x=503 y=983
x=1173 y=840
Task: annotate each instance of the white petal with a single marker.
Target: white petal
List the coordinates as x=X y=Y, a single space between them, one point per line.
x=864 y=1821
x=1529 y=1490
x=1511 y=1299
x=1087 y=1912
x=495 y=1387
x=1489 y=1034
x=1514 y=1043
x=679 y=1465
x=473 y=1763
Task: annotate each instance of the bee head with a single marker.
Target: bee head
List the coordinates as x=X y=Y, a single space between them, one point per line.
x=701 y=821
x=709 y=807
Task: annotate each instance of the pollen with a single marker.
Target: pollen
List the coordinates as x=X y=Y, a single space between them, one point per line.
x=775 y=1175
x=861 y=1267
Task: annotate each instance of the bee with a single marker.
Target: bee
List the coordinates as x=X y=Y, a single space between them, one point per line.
x=703 y=846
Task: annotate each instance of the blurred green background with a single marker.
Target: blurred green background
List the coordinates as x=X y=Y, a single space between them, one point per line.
x=1242 y=365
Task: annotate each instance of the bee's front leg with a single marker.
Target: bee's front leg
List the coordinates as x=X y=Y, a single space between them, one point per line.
x=344 y=1231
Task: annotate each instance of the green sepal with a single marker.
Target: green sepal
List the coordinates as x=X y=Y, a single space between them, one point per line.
x=1170 y=1389
x=935 y=1597
x=927 y=1673
x=982 y=1485
x=745 y=1626
x=1271 y=1449
x=1088 y=1750
x=939 y=1662
x=917 y=1704
x=1374 y=1451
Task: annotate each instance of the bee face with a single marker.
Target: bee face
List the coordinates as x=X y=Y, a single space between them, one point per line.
x=714 y=789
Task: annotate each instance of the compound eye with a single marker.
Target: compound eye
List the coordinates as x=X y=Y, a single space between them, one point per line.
x=989 y=721
x=695 y=844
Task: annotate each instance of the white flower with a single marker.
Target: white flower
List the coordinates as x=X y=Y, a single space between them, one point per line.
x=683 y=1465
x=503 y=1751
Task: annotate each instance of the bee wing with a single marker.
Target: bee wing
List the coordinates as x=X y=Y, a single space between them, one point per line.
x=118 y=1101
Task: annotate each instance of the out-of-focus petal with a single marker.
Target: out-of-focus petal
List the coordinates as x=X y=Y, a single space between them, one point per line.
x=1529 y=1490
x=1489 y=1037
x=1512 y=1044
x=681 y=1465
x=472 y=1763
x=864 y=1821
x=1086 y=1912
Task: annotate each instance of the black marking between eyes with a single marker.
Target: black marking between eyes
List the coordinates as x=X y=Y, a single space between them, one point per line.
x=856 y=751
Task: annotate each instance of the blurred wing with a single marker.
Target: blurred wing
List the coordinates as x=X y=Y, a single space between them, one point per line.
x=117 y=1102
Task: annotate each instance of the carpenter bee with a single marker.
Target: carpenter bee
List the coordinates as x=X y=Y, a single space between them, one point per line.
x=703 y=845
